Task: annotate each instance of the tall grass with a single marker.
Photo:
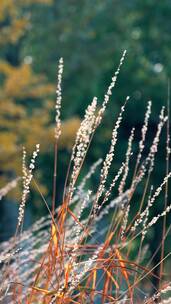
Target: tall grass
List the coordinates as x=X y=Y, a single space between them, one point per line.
x=91 y=249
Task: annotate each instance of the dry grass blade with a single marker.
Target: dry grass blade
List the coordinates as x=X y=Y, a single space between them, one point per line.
x=91 y=248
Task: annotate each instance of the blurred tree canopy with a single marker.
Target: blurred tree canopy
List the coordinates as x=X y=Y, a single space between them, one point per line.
x=91 y=36
x=26 y=97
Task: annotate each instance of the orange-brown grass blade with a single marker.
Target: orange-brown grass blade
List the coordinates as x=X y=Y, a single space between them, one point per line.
x=93 y=285
x=54 y=236
x=123 y=270
x=112 y=278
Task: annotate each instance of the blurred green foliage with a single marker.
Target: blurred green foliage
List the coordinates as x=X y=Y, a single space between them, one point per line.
x=27 y=98
x=91 y=36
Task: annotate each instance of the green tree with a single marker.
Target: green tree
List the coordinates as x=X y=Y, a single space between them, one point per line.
x=27 y=98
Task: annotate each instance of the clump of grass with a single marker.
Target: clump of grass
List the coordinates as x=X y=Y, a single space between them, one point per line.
x=74 y=254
